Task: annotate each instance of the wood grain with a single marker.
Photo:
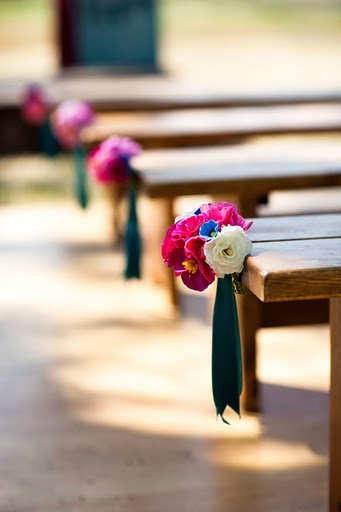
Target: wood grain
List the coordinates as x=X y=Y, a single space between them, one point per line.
x=335 y=408
x=213 y=126
x=297 y=227
x=294 y=270
x=247 y=170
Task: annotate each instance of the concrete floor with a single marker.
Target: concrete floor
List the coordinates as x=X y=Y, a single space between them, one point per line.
x=106 y=401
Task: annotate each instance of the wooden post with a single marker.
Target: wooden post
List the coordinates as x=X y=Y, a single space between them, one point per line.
x=65 y=32
x=250 y=320
x=335 y=408
x=117 y=193
x=158 y=213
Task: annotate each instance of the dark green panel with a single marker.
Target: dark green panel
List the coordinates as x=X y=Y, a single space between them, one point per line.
x=116 y=33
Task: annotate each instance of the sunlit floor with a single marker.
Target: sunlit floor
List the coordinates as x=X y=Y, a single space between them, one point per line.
x=106 y=401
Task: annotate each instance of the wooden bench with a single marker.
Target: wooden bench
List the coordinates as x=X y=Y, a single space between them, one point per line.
x=247 y=173
x=146 y=92
x=300 y=259
x=130 y=93
x=213 y=126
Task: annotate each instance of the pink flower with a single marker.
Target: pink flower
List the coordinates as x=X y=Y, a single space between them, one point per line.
x=188 y=227
x=109 y=162
x=34 y=105
x=170 y=250
x=200 y=275
x=68 y=120
x=195 y=273
x=225 y=214
x=123 y=146
x=173 y=245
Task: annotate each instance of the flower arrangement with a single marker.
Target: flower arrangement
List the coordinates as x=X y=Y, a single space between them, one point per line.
x=207 y=243
x=201 y=245
x=35 y=110
x=68 y=121
x=109 y=163
x=34 y=105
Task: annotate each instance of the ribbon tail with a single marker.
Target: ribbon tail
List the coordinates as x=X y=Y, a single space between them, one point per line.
x=226 y=351
x=80 y=177
x=48 y=144
x=133 y=239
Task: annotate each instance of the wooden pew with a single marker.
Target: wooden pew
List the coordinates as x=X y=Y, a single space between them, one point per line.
x=300 y=259
x=213 y=126
x=147 y=92
x=131 y=93
x=248 y=173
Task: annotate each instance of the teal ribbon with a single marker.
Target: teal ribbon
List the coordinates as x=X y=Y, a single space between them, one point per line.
x=48 y=144
x=226 y=351
x=133 y=238
x=80 y=177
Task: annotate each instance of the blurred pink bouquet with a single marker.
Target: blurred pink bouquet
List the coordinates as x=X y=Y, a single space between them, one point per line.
x=68 y=120
x=34 y=105
x=109 y=162
x=208 y=242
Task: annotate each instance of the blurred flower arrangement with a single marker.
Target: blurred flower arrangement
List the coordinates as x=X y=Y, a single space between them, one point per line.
x=35 y=109
x=68 y=120
x=110 y=164
x=201 y=245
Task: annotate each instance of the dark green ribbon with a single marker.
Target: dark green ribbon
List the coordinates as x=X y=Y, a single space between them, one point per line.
x=80 y=177
x=48 y=144
x=226 y=351
x=133 y=238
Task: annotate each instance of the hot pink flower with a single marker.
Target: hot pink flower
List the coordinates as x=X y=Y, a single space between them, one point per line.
x=225 y=214
x=173 y=245
x=34 y=105
x=188 y=227
x=108 y=162
x=68 y=120
x=192 y=268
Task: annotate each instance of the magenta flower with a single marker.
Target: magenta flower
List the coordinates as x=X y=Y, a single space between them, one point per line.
x=173 y=245
x=109 y=162
x=224 y=214
x=188 y=227
x=68 y=120
x=198 y=275
x=34 y=105
x=195 y=273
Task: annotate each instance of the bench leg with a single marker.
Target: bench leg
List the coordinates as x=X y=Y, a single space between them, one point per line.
x=335 y=408
x=250 y=320
x=117 y=193
x=158 y=213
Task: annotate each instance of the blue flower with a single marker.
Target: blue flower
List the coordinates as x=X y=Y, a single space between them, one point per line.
x=209 y=230
x=197 y=211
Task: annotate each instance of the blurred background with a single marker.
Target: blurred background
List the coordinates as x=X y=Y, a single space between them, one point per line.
x=106 y=402
x=234 y=45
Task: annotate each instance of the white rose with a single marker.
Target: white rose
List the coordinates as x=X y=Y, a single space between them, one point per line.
x=226 y=252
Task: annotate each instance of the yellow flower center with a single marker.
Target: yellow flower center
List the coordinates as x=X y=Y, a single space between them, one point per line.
x=229 y=252
x=212 y=234
x=191 y=266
